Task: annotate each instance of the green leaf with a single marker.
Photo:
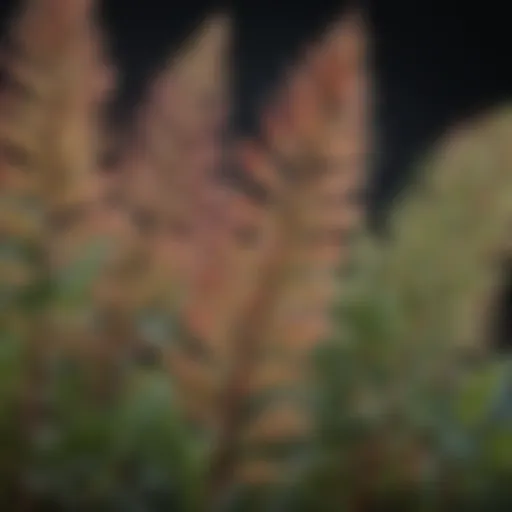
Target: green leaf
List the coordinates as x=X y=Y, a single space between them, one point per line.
x=73 y=282
x=477 y=397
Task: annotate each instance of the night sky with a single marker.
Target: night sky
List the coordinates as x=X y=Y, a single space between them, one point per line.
x=435 y=62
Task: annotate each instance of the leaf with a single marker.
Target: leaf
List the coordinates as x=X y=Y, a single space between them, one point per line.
x=477 y=398
x=499 y=448
x=73 y=283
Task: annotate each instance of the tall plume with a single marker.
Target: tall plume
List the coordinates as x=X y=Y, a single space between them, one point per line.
x=51 y=90
x=450 y=238
x=78 y=212
x=57 y=82
x=36 y=62
x=54 y=82
x=261 y=302
x=176 y=150
x=32 y=63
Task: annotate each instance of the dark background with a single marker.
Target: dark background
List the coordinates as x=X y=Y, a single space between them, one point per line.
x=434 y=62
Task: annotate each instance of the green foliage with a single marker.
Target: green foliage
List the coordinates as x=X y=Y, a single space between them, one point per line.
x=133 y=453
x=402 y=421
x=130 y=451
x=400 y=430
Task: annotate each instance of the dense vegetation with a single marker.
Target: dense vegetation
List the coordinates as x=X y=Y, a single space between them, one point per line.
x=208 y=325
